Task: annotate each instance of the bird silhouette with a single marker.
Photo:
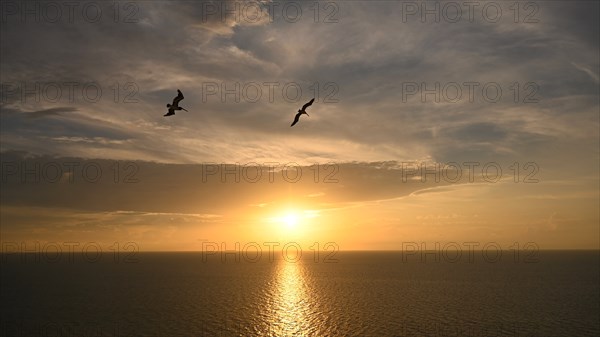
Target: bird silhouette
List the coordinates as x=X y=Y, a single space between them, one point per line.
x=302 y=111
x=175 y=105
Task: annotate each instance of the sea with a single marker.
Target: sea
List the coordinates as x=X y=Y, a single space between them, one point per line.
x=358 y=293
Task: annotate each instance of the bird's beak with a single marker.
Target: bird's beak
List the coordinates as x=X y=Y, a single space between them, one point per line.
x=307 y=114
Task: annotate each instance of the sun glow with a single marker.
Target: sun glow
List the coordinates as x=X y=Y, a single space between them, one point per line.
x=290 y=223
x=290 y=220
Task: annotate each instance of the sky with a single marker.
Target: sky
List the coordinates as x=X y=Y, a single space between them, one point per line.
x=433 y=122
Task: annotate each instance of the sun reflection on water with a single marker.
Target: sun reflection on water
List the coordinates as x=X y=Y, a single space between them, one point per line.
x=291 y=301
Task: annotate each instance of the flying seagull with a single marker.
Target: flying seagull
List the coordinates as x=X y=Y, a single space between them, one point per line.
x=175 y=106
x=302 y=111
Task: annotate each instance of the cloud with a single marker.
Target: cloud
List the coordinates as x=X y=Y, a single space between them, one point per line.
x=128 y=187
x=51 y=112
x=368 y=53
x=591 y=74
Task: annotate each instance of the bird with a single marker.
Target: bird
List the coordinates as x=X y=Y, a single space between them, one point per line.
x=302 y=111
x=175 y=105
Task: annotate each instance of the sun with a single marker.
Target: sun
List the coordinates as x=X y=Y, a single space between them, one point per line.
x=290 y=220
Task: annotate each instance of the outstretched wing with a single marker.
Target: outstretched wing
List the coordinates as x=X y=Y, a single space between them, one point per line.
x=296 y=119
x=177 y=99
x=308 y=104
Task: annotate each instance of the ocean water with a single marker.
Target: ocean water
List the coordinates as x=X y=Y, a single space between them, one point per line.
x=354 y=294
